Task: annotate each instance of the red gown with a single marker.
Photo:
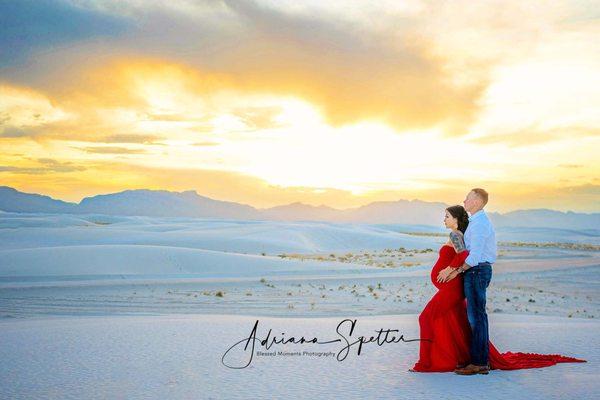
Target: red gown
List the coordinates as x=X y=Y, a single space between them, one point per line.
x=444 y=320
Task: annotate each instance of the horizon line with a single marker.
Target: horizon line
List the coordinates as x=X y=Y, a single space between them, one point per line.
x=287 y=204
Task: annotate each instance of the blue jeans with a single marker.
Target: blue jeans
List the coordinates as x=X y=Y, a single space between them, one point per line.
x=476 y=280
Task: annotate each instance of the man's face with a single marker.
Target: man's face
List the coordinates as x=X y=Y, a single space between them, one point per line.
x=471 y=202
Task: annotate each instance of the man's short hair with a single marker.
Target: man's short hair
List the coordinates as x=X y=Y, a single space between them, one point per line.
x=483 y=195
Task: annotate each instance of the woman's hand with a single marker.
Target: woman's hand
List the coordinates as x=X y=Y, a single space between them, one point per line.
x=447 y=274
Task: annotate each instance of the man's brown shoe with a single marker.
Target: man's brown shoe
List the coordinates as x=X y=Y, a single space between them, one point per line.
x=472 y=369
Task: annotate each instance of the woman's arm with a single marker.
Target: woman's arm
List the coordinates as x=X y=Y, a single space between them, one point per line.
x=451 y=271
x=458 y=241
x=459 y=259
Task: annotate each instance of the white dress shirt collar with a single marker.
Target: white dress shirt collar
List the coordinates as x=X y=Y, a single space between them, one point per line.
x=477 y=214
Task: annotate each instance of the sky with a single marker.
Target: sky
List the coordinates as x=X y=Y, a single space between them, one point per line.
x=336 y=103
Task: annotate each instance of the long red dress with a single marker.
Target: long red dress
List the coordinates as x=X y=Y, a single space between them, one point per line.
x=444 y=321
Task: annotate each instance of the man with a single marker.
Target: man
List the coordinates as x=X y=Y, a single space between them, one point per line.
x=480 y=240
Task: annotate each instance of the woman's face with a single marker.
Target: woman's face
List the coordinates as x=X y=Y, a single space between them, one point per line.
x=450 y=221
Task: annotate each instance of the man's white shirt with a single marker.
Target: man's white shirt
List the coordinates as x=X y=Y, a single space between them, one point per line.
x=480 y=239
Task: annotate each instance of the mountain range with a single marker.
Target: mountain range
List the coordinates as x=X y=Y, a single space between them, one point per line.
x=163 y=203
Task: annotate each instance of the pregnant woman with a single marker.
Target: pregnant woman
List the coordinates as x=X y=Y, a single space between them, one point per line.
x=445 y=329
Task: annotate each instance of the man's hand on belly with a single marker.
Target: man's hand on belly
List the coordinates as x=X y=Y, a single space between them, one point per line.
x=447 y=274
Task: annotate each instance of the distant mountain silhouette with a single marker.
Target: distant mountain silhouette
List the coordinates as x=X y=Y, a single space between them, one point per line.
x=15 y=201
x=163 y=203
x=380 y=212
x=300 y=211
x=548 y=218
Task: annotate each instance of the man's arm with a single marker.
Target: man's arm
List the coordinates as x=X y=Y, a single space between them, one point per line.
x=479 y=234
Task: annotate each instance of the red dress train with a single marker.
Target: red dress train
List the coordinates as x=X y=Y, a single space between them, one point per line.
x=444 y=321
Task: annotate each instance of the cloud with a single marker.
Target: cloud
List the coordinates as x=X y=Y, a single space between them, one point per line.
x=587 y=189
x=49 y=165
x=25 y=112
x=111 y=150
x=535 y=134
x=131 y=138
x=413 y=65
x=350 y=74
x=206 y=81
x=12 y=132
x=205 y=144
x=570 y=165
x=258 y=118
x=27 y=26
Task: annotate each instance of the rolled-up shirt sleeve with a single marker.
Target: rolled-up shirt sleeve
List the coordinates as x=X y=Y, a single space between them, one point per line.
x=477 y=243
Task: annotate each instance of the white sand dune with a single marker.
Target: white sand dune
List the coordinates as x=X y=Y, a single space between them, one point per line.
x=54 y=245
x=97 y=265
x=44 y=230
x=138 y=307
x=150 y=260
x=180 y=357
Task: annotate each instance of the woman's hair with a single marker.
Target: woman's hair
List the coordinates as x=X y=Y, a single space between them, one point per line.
x=461 y=216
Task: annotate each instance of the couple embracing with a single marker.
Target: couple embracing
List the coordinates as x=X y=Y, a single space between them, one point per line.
x=454 y=324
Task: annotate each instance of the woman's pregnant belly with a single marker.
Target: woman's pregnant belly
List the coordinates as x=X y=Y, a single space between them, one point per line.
x=447 y=259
